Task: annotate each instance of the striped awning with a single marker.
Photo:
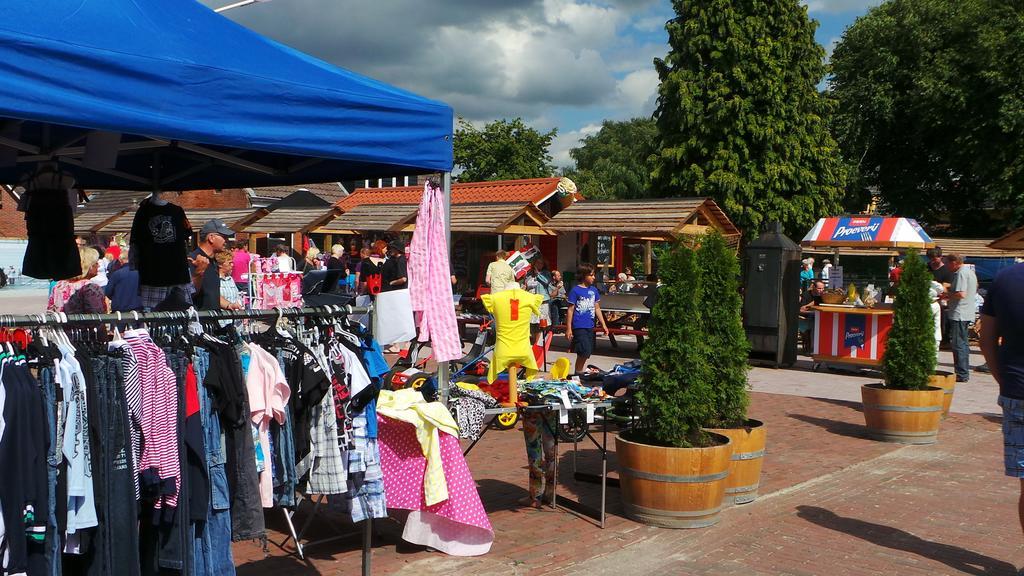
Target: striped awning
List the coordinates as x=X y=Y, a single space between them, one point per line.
x=868 y=232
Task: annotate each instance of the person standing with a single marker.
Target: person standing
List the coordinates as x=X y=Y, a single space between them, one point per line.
x=584 y=312
x=205 y=274
x=240 y=262
x=556 y=297
x=1002 y=344
x=499 y=274
x=806 y=273
x=312 y=260
x=123 y=288
x=79 y=295
x=942 y=275
x=826 y=270
x=394 y=274
x=962 y=310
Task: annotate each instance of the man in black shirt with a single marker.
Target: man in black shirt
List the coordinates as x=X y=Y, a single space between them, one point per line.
x=205 y=278
x=941 y=272
x=394 y=273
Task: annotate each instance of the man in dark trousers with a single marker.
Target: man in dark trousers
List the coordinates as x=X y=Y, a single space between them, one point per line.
x=205 y=277
x=1002 y=343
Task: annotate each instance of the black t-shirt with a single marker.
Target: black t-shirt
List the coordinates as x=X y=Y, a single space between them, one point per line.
x=159 y=244
x=335 y=263
x=208 y=296
x=1005 y=302
x=943 y=275
x=393 y=269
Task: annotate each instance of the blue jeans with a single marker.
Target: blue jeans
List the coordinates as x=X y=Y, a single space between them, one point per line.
x=54 y=546
x=961 y=349
x=211 y=540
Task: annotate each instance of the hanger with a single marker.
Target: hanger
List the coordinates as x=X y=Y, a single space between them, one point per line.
x=117 y=327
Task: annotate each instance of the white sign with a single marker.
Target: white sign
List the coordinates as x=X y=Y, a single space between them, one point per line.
x=835 y=277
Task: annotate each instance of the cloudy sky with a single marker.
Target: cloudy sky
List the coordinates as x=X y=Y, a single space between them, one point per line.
x=566 y=64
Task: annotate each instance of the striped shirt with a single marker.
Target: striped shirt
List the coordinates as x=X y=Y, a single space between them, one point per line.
x=159 y=418
x=133 y=398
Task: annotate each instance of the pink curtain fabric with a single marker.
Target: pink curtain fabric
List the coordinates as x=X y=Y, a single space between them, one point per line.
x=430 y=285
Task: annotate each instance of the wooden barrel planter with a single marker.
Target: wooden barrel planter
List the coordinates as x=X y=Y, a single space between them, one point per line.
x=946 y=381
x=904 y=416
x=673 y=487
x=745 y=465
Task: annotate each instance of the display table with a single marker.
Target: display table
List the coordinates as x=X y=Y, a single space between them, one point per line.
x=602 y=447
x=844 y=334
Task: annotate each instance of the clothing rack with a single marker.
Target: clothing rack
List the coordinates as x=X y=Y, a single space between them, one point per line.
x=59 y=319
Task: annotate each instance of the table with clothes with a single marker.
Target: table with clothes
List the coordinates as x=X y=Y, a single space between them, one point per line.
x=549 y=406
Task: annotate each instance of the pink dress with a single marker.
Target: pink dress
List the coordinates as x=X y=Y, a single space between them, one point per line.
x=459 y=525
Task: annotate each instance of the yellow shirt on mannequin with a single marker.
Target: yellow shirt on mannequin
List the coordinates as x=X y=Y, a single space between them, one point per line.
x=511 y=310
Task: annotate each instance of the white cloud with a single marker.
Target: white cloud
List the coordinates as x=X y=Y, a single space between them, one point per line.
x=638 y=91
x=565 y=142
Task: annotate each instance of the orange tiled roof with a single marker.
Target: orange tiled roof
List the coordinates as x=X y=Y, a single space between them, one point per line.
x=534 y=190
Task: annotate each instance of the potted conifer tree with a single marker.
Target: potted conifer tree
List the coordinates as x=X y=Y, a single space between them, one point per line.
x=671 y=470
x=728 y=350
x=905 y=408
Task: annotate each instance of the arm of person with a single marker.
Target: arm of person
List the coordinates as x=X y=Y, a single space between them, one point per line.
x=600 y=315
x=198 y=264
x=568 y=321
x=989 y=344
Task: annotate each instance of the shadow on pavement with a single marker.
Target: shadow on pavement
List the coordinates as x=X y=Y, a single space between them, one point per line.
x=848 y=429
x=960 y=559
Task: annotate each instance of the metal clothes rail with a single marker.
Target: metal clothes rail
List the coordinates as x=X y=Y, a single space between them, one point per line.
x=61 y=319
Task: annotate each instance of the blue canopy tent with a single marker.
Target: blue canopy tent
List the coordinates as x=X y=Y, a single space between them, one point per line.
x=168 y=95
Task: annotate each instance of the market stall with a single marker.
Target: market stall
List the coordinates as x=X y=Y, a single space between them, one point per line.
x=168 y=95
x=852 y=333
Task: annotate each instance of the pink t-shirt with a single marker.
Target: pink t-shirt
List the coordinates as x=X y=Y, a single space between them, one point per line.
x=240 y=266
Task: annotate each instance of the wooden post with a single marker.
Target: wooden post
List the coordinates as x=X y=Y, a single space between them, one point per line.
x=648 y=256
x=513 y=385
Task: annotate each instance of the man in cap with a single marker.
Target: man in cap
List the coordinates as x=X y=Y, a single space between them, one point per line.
x=205 y=278
x=394 y=273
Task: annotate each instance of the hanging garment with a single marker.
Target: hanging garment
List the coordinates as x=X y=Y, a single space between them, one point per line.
x=365 y=479
x=430 y=282
x=49 y=220
x=159 y=249
x=23 y=483
x=77 y=446
x=393 y=320
x=429 y=419
x=324 y=463
x=511 y=310
x=268 y=396
x=456 y=526
x=159 y=467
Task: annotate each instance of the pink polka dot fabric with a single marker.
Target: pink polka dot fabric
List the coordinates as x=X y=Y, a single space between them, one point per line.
x=458 y=526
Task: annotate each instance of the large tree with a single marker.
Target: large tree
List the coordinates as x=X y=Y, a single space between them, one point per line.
x=615 y=162
x=740 y=117
x=931 y=110
x=502 y=150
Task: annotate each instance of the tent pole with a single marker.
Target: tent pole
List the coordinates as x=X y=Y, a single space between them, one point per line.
x=442 y=367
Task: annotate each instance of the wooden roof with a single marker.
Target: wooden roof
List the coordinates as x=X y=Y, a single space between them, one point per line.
x=371 y=218
x=234 y=218
x=292 y=220
x=94 y=221
x=661 y=219
x=1012 y=241
x=494 y=218
x=978 y=248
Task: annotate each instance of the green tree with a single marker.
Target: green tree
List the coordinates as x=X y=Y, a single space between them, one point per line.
x=675 y=398
x=722 y=325
x=615 y=162
x=740 y=117
x=910 y=350
x=931 y=110
x=502 y=150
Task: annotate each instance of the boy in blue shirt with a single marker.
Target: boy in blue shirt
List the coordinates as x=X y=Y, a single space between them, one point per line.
x=584 y=311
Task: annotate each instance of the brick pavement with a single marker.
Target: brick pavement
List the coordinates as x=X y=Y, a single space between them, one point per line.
x=833 y=502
